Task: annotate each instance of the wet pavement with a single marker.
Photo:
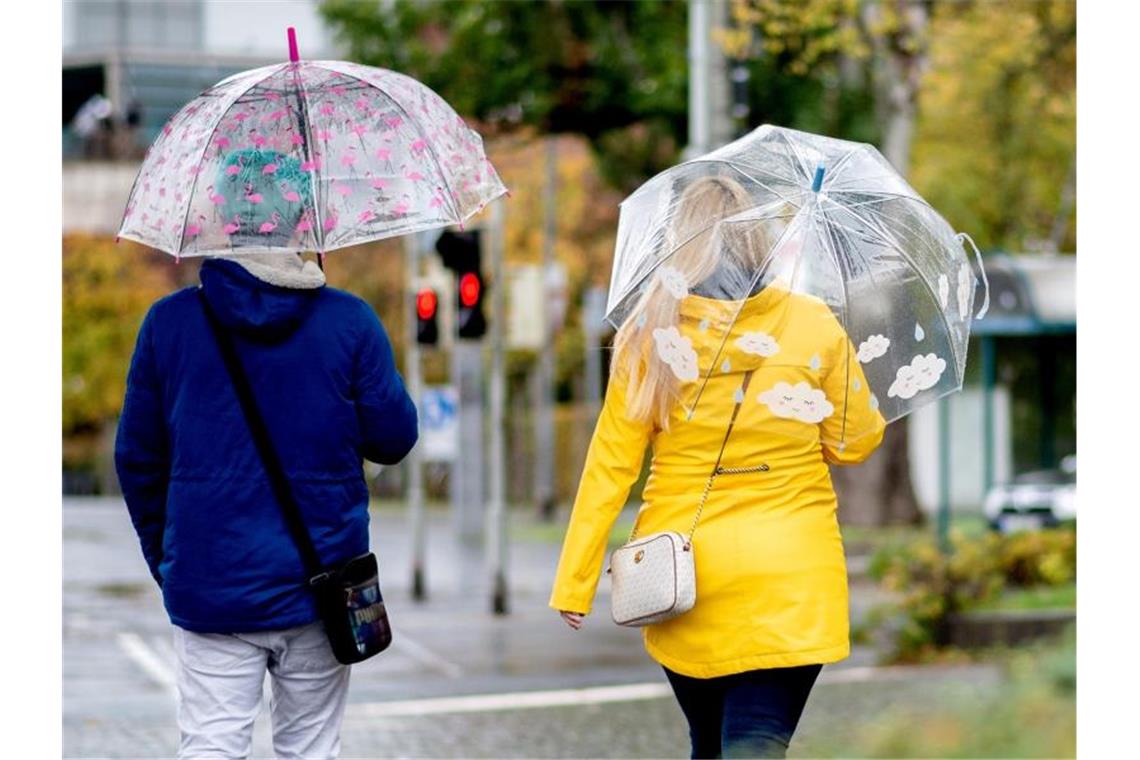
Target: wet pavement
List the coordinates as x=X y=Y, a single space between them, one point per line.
x=457 y=681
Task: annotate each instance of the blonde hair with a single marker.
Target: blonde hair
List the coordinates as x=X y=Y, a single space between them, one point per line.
x=652 y=388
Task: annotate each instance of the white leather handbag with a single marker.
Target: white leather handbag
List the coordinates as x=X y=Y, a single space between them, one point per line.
x=654 y=577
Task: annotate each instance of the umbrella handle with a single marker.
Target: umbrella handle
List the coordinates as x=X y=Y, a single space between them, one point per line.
x=964 y=238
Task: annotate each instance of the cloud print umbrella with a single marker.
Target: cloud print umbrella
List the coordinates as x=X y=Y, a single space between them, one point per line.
x=307 y=156
x=805 y=259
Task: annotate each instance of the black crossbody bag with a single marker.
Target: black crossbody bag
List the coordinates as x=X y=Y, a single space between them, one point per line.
x=347 y=595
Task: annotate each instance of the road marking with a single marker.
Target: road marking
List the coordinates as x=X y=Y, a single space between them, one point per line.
x=148 y=660
x=577 y=697
x=512 y=700
x=422 y=654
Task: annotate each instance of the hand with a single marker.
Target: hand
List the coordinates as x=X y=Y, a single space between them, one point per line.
x=573 y=619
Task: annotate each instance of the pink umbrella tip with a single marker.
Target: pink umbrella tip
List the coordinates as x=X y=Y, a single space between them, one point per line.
x=294 y=56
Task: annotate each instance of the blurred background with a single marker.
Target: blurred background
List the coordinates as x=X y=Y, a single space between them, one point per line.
x=960 y=531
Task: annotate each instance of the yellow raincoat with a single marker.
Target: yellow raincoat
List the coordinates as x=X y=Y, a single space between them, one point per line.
x=770 y=570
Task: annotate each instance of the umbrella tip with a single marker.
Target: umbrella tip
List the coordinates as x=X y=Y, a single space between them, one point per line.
x=294 y=56
x=817 y=183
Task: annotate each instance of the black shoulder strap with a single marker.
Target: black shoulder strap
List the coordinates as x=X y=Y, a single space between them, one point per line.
x=264 y=444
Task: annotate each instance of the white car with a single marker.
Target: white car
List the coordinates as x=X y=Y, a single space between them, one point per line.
x=1035 y=500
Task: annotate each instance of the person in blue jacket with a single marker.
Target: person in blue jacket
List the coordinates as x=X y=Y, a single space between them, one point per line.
x=213 y=535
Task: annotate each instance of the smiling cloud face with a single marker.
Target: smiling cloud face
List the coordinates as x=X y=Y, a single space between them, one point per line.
x=677 y=351
x=797 y=402
x=873 y=348
x=922 y=373
x=673 y=281
x=758 y=343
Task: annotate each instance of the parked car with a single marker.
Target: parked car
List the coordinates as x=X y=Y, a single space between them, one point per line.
x=1034 y=500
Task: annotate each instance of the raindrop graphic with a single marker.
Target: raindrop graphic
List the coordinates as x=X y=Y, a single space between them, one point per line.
x=857 y=385
x=815 y=362
x=919 y=333
x=641 y=319
x=726 y=367
x=738 y=397
x=704 y=325
x=874 y=402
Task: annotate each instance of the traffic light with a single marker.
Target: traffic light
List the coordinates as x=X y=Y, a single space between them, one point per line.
x=427 y=309
x=461 y=253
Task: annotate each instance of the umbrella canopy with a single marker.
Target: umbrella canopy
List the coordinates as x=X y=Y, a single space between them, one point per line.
x=307 y=156
x=758 y=255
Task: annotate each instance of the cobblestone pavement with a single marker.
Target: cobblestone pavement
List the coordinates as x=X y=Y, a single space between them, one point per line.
x=513 y=675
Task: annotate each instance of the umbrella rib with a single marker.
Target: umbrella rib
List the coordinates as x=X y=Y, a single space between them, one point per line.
x=885 y=237
x=431 y=149
x=834 y=251
x=305 y=123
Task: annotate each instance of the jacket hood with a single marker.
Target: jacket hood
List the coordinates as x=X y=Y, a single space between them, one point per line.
x=251 y=306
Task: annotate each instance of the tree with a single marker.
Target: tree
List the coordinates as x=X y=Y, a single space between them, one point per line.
x=612 y=72
x=106 y=291
x=974 y=101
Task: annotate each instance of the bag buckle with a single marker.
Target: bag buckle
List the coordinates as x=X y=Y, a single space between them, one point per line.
x=320 y=578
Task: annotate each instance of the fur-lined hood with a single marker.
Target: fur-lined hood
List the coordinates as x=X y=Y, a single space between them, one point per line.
x=261 y=296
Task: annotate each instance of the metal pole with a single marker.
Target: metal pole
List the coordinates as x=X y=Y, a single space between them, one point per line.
x=544 y=381
x=989 y=380
x=698 y=78
x=413 y=377
x=944 y=475
x=496 y=512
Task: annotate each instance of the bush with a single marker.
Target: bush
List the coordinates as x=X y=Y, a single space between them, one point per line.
x=1040 y=558
x=932 y=586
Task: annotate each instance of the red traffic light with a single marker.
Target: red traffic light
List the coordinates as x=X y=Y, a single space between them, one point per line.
x=426 y=303
x=469 y=289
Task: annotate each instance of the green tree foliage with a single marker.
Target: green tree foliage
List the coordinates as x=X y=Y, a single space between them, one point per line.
x=993 y=145
x=613 y=72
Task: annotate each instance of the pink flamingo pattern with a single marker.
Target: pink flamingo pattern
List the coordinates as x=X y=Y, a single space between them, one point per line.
x=381 y=155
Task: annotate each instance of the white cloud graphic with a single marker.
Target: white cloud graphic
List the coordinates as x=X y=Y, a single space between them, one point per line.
x=677 y=351
x=673 y=281
x=873 y=348
x=965 y=290
x=921 y=374
x=758 y=343
x=943 y=290
x=798 y=402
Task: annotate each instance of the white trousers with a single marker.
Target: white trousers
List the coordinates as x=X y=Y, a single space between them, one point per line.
x=220 y=679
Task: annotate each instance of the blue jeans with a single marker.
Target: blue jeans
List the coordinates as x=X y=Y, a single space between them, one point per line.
x=752 y=714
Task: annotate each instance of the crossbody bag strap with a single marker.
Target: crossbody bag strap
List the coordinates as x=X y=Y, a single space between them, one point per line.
x=264 y=444
x=716 y=467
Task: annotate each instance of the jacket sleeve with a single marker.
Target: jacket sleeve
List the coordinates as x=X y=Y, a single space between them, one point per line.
x=142 y=449
x=855 y=429
x=613 y=464
x=388 y=423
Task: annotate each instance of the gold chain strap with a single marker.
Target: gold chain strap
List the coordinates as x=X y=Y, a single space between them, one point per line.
x=717 y=469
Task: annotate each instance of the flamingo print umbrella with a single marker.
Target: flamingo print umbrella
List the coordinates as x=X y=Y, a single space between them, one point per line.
x=307 y=156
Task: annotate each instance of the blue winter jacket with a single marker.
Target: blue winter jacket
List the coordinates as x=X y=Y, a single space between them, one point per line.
x=212 y=533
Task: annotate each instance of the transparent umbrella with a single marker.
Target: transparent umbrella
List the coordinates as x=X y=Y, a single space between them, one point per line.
x=805 y=260
x=307 y=156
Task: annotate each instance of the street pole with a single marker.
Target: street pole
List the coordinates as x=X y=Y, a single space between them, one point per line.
x=543 y=387
x=944 y=475
x=414 y=378
x=496 y=512
x=710 y=121
x=593 y=314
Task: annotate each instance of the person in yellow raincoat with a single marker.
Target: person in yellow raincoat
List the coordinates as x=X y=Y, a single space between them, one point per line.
x=771 y=604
